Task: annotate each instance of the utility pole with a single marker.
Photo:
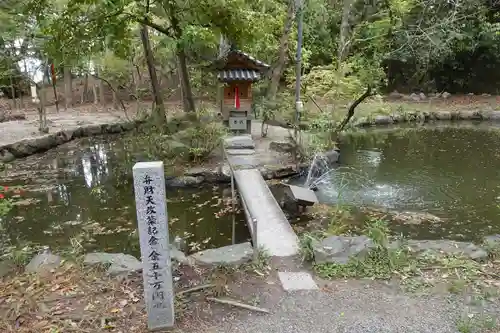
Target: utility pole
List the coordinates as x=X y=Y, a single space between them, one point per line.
x=298 y=70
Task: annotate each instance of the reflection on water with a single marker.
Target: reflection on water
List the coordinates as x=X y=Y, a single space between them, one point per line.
x=94 y=165
x=85 y=193
x=453 y=173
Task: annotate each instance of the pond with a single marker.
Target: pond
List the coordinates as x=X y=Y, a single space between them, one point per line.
x=450 y=172
x=82 y=194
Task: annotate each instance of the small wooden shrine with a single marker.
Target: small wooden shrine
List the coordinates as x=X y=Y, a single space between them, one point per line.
x=237 y=71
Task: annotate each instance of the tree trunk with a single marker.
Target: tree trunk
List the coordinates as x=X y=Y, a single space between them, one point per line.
x=52 y=82
x=159 y=110
x=84 y=91
x=94 y=92
x=115 y=99
x=223 y=46
x=13 y=92
x=68 y=91
x=185 y=105
x=282 y=53
x=344 y=42
x=102 y=96
x=187 y=93
x=42 y=111
x=135 y=85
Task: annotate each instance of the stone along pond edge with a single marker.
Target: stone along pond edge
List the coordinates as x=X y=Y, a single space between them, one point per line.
x=427 y=116
x=121 y=263
x=333 y=249
x=191 y=178
x=27 y=147
x=31 y=146
x=409 y=117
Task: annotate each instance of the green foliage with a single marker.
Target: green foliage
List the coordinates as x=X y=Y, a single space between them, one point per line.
x=333 y=83
x=338 y=217
x=380 y=262
x=202 y=139
x=306 y=241
x=282 y=107
x=391 y=43
x=5 y=201
x=5 y=206
x=116 y=70
x=477 y=324
x=19 y=254
x=191 y=138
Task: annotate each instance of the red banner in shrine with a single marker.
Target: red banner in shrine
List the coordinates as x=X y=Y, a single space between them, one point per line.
x=236 y=98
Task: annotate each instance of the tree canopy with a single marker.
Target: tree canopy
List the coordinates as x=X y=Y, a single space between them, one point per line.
x=408 y=45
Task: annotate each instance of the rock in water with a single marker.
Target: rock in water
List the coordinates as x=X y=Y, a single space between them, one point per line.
x=184 y=181
x=332 y=156
x=339 y=249
x=448 y=247
x=415 y=217
x=119 y=263
x=43 y=262
x=228 y=255
x=406 y=217
x=282 y=146
x=492 y=240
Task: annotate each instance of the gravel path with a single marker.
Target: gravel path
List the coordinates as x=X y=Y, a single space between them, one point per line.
x=352 y=306
x=356 y=307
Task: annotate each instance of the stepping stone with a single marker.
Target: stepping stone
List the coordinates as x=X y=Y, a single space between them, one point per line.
x=239 y=142
x=243 y=161
x=240 y=151
x=297 y=281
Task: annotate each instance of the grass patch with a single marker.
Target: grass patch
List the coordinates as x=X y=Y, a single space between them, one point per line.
x=186 y=140
x=329 y=220
x=190 y=138
x=380 y=262
x=477 y=324
x=427 y=270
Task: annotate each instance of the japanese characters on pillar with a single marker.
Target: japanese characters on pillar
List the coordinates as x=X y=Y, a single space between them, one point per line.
x=149 y=186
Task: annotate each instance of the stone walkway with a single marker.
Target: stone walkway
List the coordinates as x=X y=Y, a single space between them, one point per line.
x=247 y=155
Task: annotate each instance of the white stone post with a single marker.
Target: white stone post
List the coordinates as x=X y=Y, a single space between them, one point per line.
x=152 y=222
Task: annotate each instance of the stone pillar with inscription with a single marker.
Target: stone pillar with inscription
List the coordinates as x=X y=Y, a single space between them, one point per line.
x=152 y=220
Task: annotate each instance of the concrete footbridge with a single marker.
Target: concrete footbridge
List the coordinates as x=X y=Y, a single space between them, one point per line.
x=268 y=224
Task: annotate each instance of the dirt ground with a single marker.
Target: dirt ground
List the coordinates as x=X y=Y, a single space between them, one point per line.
x=82 y=299
x=75 y=300
x=89 y=114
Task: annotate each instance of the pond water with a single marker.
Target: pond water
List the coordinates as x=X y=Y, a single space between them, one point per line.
x=82 y=193
x=451 y=172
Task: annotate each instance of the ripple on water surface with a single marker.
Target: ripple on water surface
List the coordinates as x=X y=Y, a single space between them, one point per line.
x=83 y=191
x=453 y=173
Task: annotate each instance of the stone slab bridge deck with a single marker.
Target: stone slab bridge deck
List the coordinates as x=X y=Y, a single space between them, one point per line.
x=268 y=224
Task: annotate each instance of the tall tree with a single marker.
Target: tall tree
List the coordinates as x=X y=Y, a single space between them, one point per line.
x=159 y=108
x=282 y=52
